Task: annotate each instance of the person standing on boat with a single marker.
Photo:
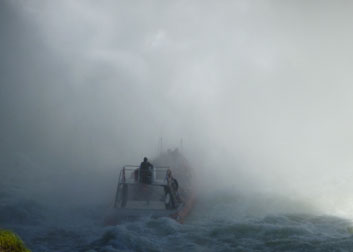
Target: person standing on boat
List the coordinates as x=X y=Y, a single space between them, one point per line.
x=146 y=171
x=172 y=190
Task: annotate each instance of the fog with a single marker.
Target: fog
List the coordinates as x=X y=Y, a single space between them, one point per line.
x=259 y=92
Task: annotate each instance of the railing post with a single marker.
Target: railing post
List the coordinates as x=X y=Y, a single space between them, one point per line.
x=117 y=191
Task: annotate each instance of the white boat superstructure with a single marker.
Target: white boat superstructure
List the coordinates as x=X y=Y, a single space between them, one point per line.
x=133 y=194
x=156 y=195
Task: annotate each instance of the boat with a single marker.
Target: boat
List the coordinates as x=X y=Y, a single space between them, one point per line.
x=167 y=192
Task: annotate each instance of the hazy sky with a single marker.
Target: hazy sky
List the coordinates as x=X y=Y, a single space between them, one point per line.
x=257 y=88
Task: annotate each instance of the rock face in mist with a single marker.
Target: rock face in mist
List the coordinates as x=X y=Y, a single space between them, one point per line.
x=17 y=204
x=9 y=242
x=19 y=173
x=20 y=211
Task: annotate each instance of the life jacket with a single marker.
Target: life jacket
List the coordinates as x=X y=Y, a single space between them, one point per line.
x=175 y=184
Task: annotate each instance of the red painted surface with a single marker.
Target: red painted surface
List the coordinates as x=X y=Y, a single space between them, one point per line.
x=185 y=211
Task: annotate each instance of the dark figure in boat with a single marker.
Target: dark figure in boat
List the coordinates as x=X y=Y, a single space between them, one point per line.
x=171 y=191
x=146 y=169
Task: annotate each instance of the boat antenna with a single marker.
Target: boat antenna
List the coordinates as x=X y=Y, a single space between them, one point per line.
x=161 y=145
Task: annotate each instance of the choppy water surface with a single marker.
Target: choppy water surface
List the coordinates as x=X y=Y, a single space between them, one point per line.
x=216 y=224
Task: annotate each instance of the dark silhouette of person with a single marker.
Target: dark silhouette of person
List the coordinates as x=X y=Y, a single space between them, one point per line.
x=146 y=171
x=172 y=189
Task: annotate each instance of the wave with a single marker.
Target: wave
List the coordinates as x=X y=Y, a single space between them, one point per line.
x=219 y=222
x=272 y=233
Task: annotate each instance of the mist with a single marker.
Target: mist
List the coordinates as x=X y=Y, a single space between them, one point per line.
x=259 y=92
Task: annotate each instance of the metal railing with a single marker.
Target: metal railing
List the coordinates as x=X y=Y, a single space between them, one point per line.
x=131 y=174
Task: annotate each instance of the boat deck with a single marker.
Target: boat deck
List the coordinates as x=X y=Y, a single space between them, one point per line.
x=152 y=205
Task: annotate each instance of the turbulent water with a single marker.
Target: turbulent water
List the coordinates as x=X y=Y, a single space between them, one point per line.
x=219 y=222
